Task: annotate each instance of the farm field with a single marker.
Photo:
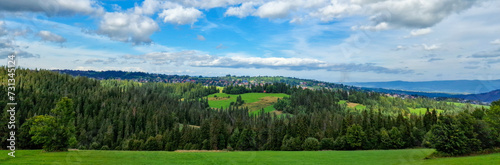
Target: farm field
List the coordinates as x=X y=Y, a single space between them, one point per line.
x=352 y=105
x=254 y=101
x=383 y=157
x=473 y=105
x=421 y=111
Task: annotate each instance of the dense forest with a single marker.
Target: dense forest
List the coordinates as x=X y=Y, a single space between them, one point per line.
x=129 y=115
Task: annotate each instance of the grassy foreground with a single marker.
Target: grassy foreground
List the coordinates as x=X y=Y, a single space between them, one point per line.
x=383 y=157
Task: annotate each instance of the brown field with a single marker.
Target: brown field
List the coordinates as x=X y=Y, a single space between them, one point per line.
x=217 y=98
x=276 y=112
x=264 y=102
x=352 y=105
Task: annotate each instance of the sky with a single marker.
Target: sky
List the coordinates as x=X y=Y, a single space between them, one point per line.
x=328 y=40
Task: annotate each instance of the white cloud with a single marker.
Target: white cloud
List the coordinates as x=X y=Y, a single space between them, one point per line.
x=53 y=7
x=196 y=59
x=496 y=42
x=415 y=13
x=208 y=4
x=335 y=10
x=394 y=13
x=51 y=37
x=180 y=15
x=274 y=9
x=127 y=27
x=244 y=10
x=378 y=27
x=430 y=47
x=19 y=53
x=420 y=32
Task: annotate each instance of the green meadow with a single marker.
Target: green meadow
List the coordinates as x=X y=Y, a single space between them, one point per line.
x=374 y=157
x=254 y=101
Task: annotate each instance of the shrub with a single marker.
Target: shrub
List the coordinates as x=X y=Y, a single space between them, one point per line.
x=94 y=146
x=105 y=147
x=311 y=144
x=327 y=144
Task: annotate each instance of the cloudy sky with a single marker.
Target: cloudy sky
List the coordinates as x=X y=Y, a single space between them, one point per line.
x=329 y=40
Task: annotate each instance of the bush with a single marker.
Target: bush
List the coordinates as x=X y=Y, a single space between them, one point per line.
x=340 y=143
x=154 y=143
x=291 y=144
x=94 y=146
x=327 y=144
x=311 y=144
x=171 y=146
x=105 y=147
x=82 y=147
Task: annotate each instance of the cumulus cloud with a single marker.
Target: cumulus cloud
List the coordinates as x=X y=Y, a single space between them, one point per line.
x=53 y=7
x=420 y=32
x=415 y=13
x=495 y=42
x=245 y=9
x=19 y=53
x=384 y=14
x=180 y=15
x=127 y=27
x=335 y=10
x=274 y=9
x=378 y=27
x=204 y=4
x=196 y=59
x=51 y=37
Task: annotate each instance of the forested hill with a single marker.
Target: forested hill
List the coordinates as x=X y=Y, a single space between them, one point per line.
x=57 y=111
x=247 y=80
x=216 y=81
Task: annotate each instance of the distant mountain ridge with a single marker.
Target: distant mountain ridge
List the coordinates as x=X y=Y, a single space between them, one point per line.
x=487 y=96
x=447 y=86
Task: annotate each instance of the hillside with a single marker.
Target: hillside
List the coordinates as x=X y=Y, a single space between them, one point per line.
x=449 y=86
x=216 y=81
x=157 y=116
x=305 y=83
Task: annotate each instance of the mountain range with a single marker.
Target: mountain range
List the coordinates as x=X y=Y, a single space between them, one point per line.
x=448 y=86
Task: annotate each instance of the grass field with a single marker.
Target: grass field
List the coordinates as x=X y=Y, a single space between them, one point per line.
x=421 y=111
x=353 y=105
x=460 y=105
x=254 y=101
x=383 y=157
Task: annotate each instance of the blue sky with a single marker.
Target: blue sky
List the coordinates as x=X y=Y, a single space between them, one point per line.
x=329 y=40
